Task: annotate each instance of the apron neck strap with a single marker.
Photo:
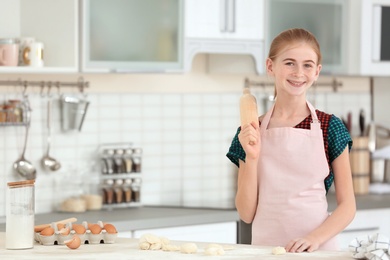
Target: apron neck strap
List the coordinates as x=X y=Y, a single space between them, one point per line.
x=267 y=117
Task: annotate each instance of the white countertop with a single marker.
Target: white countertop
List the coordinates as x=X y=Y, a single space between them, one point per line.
x=126 y=248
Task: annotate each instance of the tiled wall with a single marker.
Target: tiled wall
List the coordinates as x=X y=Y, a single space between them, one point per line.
x=184 y=138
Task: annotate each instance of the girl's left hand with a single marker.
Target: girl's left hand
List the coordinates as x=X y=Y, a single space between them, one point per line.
x=300 y=245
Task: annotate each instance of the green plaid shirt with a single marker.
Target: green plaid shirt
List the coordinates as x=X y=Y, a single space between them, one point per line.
x=336 y=138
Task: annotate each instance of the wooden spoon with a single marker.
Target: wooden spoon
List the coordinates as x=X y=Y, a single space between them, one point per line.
x=39 y=228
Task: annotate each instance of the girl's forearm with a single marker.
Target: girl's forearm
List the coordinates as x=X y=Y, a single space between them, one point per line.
x=247 y=193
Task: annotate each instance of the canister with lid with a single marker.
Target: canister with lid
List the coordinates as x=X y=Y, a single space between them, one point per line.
x=20 y=207
x=9 y=52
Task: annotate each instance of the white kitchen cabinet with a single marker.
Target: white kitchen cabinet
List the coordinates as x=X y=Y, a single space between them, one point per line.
x=54 y=23
x=214 y=233
x=366 y=222
x=224 y=19
x=326 y=19
x=224 y=27
x=132 y=36
x=370 y=38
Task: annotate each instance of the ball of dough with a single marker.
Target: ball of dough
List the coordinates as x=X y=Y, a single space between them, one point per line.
x=278 y=250
x=189 y=248
x=144 y=245
x=214 y=251
x=170 y=247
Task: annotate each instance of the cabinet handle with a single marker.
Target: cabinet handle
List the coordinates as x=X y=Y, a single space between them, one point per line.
x=223 y=15
x=231 y=11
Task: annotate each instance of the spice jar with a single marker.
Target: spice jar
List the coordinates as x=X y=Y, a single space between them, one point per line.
x=20 y=215
x=137 y=159
x=128 y=161
x=127 y=192
x=16 y=109
x=136 y=189
x=3 y=114
x=118 y=161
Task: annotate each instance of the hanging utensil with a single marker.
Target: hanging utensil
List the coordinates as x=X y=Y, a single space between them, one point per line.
x=22 y=166
x=362 y=122
x=47 y=161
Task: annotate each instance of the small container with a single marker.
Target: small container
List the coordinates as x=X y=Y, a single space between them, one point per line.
x=16 y=110
x=119 y=165
x=3 y=114
x=137 y=159
x=136 y=190
x=20 y=214
x=128 y=160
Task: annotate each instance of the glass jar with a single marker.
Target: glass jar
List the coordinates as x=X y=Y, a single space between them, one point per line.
x=20 y=215
x=137 y=159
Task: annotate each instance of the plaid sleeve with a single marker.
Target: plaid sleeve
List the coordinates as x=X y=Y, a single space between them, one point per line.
x=236 y=152
x=338 y=138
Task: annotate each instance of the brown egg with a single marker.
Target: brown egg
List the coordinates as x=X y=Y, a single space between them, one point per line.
x=64 y=231
x=47 y=231
x=60 y=226
x=110 y=229
x=95 y=229
x=78 y=228
x=73 y=243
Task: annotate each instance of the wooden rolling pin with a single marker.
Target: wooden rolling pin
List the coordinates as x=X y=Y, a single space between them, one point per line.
x=39 y=228
x=248 y=109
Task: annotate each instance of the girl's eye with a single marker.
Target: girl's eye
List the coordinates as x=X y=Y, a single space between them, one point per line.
x=289 y=63
x=308 y=65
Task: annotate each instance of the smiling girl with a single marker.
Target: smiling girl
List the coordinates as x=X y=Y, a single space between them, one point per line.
x=284 y=176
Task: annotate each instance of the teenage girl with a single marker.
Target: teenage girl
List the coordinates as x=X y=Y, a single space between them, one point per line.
x=289 y=159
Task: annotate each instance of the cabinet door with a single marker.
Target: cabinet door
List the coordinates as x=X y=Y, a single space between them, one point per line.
x=224 y=19
x=132 y=35
x=326 y=19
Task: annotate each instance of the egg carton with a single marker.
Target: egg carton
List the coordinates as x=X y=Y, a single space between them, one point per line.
x=87 y=238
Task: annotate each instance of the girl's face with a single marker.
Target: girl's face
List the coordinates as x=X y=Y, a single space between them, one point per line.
x=295 y=69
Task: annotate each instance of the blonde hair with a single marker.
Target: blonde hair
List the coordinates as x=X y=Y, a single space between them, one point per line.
x=291 y=36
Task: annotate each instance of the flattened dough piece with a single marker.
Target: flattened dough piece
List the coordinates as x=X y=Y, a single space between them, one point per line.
x=278 y=250
x=189 y=248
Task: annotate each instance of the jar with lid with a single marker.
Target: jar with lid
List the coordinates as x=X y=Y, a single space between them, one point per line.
x=128 y=160
x=108 y=161
x=118 y=161
x=16 y=110
x=137 y=159
x=20 y=214
x=3 y=114
x=136 y=189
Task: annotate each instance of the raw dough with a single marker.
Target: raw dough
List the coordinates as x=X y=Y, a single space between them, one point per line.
x=189 y=248
x=169 y=247
x=278 y=250
x=144 y=246
x=214 y=251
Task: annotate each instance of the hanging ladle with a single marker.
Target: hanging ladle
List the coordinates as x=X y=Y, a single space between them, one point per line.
x=47 y=161
x=22 y=166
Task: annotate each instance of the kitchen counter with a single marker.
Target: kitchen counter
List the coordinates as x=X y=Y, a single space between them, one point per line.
x=363 y=202
x=127 y=248
x=127 y=219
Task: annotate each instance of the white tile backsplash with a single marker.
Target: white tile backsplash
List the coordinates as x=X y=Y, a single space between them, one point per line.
x=184 y=137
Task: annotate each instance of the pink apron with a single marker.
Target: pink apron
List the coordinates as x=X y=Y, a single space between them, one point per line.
x=291 y=172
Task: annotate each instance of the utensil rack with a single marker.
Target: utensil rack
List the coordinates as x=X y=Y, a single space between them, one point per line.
x=80 y=84
x=25 y=84
x=335 y=84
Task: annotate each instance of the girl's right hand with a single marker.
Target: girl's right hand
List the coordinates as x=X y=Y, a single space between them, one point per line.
x=249 y=138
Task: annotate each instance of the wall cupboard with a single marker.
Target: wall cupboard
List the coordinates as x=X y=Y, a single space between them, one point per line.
x=165 y=35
